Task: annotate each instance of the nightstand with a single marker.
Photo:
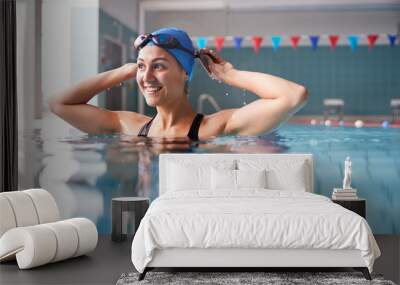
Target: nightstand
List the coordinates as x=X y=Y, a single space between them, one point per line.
x=120 y=208
x=358 y=206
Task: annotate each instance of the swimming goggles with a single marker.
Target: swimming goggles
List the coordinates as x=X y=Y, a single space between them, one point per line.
x=161 y=40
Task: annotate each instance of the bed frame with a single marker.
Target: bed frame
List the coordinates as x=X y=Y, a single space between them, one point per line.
x=242 y=259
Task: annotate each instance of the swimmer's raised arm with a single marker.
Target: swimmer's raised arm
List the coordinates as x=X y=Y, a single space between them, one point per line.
x=279 y=99
x=71 y=105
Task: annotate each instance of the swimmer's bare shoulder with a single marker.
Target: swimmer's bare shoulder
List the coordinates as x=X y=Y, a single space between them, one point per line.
x=130 y=123
x=215 y=124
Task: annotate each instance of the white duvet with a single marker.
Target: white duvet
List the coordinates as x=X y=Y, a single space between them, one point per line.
x=253 y=218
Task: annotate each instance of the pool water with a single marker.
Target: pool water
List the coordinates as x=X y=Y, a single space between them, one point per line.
x=85 y=172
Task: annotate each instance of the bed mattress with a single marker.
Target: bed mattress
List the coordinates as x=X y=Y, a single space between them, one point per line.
x=251 y=219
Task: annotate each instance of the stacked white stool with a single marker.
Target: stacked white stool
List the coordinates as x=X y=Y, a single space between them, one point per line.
x=31 y=230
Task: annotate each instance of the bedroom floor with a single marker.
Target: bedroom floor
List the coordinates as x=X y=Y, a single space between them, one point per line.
x=110 y=260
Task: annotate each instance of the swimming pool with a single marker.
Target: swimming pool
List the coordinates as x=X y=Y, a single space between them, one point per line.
x=85 y=172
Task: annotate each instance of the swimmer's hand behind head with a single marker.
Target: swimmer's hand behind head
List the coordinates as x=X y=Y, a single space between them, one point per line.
x=205 y=60
x=215 y=65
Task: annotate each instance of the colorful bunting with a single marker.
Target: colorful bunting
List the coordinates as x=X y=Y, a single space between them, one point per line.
x=238 y=42
x=314 y=41
x=219 y=42
x=276 y=41
x=392 y=40
x=295 y=41
x=201 y=42
x=333 y=40
x=353 y=41
x=257 y=43
x=371 y=40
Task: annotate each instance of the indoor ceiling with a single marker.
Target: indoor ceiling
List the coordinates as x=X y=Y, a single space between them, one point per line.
x=235 y=5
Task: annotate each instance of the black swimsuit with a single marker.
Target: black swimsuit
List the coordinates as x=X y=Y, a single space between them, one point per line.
x=193 y=133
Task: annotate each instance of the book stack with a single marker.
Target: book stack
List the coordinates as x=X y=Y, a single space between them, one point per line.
x=344 y=194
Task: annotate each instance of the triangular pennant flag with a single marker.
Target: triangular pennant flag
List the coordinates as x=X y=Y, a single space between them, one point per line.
x=333 y=39
x=276 y=41
x=238 y=42
x=201 y=42
x=314 y=41
x=257 y=43
x=371 y=40
x=219 y=42
x=295 y=41
x=353 y=41
x=392 y=40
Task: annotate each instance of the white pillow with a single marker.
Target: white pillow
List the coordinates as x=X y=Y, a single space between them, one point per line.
x=188 y=175
x=227 y=179
x=182 y=177
x=223 y=179
x=251 y=178
x=294 y=179
x=282 y=174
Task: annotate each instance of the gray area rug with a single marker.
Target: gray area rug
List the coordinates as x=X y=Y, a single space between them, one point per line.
x=229 y=278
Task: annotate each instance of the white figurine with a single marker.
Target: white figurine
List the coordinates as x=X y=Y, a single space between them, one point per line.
x=347 y=173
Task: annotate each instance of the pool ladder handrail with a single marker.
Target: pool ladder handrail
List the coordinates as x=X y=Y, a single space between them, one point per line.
x=210 y=99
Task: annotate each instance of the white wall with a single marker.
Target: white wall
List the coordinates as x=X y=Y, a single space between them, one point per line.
x=26 y=47
x=70 y=31
x=27 y=93
x=70 y=48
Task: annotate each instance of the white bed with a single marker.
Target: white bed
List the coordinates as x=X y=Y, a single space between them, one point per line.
x=247 y=210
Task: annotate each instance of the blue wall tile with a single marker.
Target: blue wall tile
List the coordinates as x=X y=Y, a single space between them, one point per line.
x=365 y=79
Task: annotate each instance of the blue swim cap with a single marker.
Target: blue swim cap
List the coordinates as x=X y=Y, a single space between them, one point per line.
x=184 y=58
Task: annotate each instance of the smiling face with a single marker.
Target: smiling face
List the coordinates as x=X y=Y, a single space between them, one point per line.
x=160 y=77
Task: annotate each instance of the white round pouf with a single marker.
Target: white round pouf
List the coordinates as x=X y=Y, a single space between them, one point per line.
x=67 y=240
x=31 y=234
x=87 y=233
x=7 y=216
x=45 y=205
x=40 y=244
x=23 y=208
x=32 y=246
